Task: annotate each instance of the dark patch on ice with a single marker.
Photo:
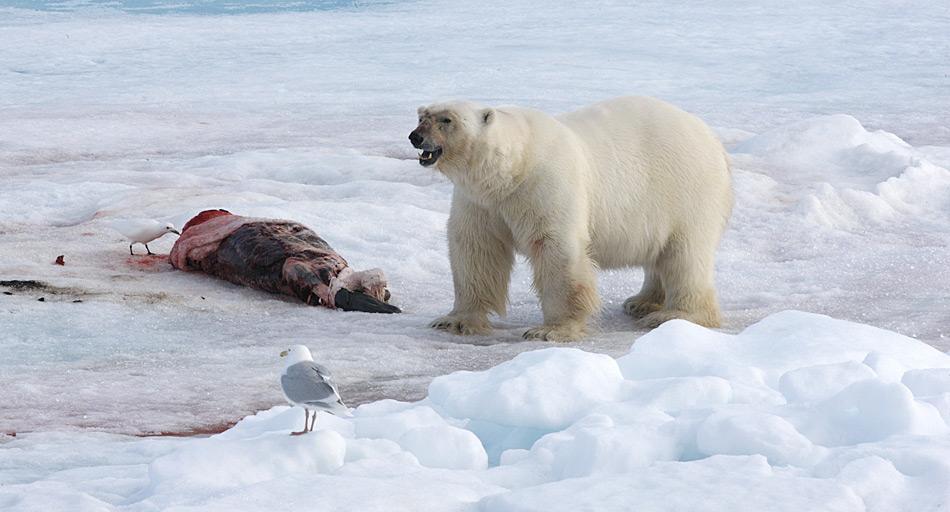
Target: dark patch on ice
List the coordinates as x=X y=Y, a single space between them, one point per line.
x=150 y=297
x=76 y=295
x=27 y=284
x=43 y=289
x=30 y=285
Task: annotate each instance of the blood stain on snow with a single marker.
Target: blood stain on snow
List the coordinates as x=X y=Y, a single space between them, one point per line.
x=149 y=262
x=197 y=431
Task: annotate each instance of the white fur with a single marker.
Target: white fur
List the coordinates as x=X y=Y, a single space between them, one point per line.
x=627 y=182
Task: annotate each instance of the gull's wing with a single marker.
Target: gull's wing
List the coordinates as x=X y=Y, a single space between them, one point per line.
x=310 y=384
x=133 y=228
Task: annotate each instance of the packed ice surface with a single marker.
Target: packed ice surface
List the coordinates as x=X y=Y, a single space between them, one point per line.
x=688 y=419
x=842 y=186
x=159 y=110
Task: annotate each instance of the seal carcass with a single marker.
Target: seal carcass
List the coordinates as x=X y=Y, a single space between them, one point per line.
x=278 y=256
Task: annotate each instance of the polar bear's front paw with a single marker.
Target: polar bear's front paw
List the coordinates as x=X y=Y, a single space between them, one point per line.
x=554 y=333
x=458 y=324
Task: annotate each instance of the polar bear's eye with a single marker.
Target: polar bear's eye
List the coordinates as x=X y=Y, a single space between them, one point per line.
x=445 y=120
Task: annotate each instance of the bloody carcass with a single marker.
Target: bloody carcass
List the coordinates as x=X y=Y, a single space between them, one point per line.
x=278 y=256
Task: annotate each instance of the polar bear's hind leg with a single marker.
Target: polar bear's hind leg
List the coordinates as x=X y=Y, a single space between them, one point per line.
x=686 y=271
x=650 y=298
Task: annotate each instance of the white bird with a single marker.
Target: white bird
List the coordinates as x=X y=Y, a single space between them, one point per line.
x=309 y=385
x=143 y=231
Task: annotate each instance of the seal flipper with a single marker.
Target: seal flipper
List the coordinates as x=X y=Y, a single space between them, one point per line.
x=356 y=301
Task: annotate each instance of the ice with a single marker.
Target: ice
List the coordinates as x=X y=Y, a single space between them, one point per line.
x=886 y=368
x=599 y=444
x=720 y=483
x=822 y=381
x=544 y=389
x=928 y=382
x=769 y=349
x=877 y=177
x=677 y=393
x=390 y=420
x=671 y=438
x=820 y=147
x=445 y=447
x=213 y=465
x=159 y=110
x=746 y=431
x=870 y=410
x=301 y=110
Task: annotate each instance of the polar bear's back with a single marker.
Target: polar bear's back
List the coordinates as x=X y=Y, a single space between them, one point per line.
x=655 y=171
x=642 y=134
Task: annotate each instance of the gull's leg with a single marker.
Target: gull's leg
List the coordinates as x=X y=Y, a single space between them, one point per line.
x=313 y=422
x=147 y=249
x=130 y=250
x=306 y=421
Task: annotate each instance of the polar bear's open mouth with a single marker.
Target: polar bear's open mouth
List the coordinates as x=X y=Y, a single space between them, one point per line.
x=427 y=158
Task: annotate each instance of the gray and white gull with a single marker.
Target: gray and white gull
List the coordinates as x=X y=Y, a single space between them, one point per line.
x=309 y=385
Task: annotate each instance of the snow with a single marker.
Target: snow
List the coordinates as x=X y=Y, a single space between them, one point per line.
x=267 y=117
x=674 y=438
x=300 y=110
x=445 y=447
x=822 y=381
x=878 y=175
x=928 y=382
x=571 y=380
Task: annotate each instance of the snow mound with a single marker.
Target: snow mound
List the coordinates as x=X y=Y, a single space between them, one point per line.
x=797 y=412
x=764 y=352
x=546 y=389
x=856 y=176
x=210 y=465
x=716 y=484
x=445 y=447
x=813 y=383
x=747 y=431
x=927 y=382
x=830 y=143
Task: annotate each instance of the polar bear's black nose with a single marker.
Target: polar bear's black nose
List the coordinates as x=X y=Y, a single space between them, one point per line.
x=415 y=139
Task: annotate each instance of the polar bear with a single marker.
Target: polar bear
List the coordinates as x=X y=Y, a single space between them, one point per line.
x=632 y=181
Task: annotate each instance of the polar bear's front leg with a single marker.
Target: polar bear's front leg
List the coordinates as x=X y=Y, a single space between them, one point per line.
x=481 y=253
x=566 y=281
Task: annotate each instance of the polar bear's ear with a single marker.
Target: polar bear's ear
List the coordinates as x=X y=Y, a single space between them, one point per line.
x=488 y=115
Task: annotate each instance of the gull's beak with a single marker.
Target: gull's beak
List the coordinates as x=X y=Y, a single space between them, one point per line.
x=283 y=354
x=176 y=232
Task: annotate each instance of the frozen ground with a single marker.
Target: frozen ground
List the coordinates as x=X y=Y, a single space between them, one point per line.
x=834 y=115
x=108 y=113
x=797 y=412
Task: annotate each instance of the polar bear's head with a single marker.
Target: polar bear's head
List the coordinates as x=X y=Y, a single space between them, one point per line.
x=448 y=132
